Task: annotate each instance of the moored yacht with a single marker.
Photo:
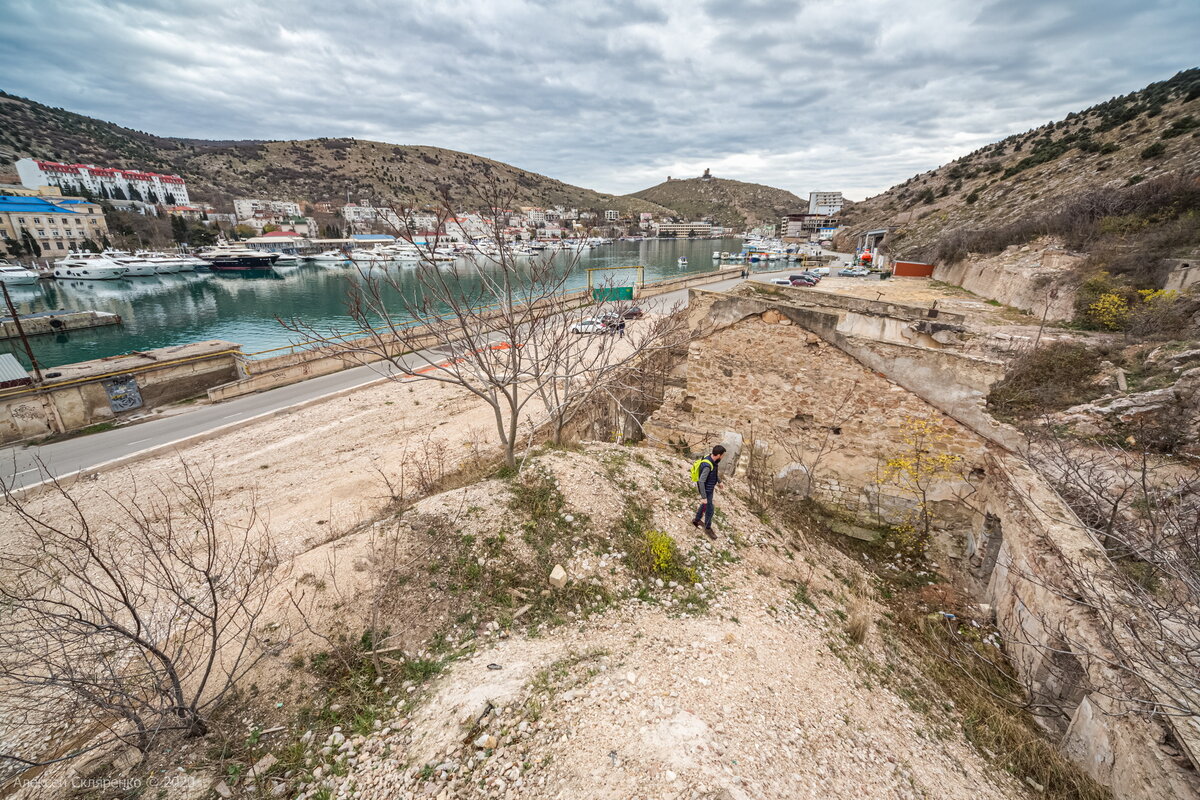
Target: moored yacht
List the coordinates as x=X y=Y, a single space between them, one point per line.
x=16 y=275
x=232 y=258
x=89 y=267
x=330 y=257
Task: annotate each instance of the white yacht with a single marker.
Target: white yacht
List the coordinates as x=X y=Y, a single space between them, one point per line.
x=287 y=260
x=138 y=267
x=330 y=257
x=169 y=263
x=16 y=275
x=89 y=267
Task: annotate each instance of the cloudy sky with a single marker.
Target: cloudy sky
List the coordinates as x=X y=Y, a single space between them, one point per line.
x=853 y=95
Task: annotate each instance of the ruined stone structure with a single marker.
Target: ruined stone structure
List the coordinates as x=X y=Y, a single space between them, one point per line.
x=797 y=373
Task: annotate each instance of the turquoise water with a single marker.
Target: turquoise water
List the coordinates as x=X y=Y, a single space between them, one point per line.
x=175 y=309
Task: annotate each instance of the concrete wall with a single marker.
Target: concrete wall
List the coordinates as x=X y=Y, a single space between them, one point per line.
x=1030 y=284
x=1049 y=638
x=82 y=402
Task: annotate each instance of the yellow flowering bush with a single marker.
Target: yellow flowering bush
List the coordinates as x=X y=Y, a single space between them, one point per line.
x=924 y=461
x=1109 y=312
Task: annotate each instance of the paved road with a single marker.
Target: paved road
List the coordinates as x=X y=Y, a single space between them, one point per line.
x=23 y=466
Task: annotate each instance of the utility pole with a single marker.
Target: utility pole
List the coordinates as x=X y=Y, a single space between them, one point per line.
x=37 y=371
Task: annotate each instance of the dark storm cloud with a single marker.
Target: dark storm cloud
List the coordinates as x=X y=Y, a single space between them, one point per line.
x=614 y=95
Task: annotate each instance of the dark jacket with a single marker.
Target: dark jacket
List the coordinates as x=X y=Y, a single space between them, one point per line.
x=708 y=476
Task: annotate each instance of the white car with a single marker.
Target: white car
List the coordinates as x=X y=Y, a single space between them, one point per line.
x=589 y=325
x=781 y=282
x=822 y=271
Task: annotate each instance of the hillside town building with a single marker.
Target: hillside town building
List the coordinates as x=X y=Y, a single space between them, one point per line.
x=119 y=184
x=246 y=207
x=49 y=225
x=683 y=228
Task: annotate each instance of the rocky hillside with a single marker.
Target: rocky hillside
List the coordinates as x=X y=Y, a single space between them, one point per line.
x=312 y=170
x=1120 y=143
x=729 y=202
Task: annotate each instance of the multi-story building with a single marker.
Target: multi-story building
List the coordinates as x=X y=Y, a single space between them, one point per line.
x=808 y=226
x=247 y=207
x=612 y=215
x=118 y=184
x=683 y=228
x=56 y=225
x=825 y=203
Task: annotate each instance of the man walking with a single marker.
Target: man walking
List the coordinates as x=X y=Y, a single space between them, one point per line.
x=704 y=475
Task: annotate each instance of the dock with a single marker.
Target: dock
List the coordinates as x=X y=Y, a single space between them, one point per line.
x=60 y=321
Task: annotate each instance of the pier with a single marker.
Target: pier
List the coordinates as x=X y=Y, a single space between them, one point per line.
x=59 y=321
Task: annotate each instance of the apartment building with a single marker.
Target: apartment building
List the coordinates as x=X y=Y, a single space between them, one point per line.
x=118 y=184
x=55 y=225
x=247 y=207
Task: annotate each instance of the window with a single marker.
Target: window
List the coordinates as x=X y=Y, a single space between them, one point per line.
x=60 y=247
x=37 y=220
x=21 y=220
x=41 y=233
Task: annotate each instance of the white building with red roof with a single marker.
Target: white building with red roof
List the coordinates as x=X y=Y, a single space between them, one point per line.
x=119 y=184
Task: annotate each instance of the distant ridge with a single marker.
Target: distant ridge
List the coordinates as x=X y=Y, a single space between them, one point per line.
x=729 y=202
x=303 y=170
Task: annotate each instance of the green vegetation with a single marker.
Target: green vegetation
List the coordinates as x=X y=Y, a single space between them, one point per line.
x=1048 y=379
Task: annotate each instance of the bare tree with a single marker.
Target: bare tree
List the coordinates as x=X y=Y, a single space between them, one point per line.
x=132 y=623
x=809 y=451
x=499 y=324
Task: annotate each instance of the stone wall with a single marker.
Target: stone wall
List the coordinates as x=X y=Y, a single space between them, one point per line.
x=821 y=420
x=790 y=382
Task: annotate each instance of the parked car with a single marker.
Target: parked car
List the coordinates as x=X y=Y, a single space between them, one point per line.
x=854 y=272
x=589 y=325
x=781 y=282
x=805 y=274
x=804 y=281
x=822 y=271
x=634 y=312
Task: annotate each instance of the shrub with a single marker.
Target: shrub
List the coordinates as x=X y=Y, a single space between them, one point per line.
x=1048 y=379
x=1109 y=312
x=1156 y=150
x=972 y=198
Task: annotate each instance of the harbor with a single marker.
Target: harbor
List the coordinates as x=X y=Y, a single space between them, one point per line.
x=167 y=310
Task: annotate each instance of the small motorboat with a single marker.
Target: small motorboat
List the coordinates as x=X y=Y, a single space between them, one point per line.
x=683 y=262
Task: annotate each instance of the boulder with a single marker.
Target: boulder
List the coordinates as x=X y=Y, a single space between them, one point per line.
x=558 y=577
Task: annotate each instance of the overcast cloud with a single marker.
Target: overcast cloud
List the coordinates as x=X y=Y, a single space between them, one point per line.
x=615 y=96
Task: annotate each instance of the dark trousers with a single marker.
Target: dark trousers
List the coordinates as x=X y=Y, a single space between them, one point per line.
x=706 y=509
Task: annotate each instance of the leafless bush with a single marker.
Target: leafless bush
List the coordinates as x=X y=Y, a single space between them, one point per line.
x=133 y=624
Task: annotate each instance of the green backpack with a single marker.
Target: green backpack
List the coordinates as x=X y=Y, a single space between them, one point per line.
x=696 y=468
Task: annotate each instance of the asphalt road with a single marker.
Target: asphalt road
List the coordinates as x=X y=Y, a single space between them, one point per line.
x=23 y=466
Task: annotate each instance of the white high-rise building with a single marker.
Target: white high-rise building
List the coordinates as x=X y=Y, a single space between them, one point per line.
x=825 y=203
x=247 y=207
x=117 y=184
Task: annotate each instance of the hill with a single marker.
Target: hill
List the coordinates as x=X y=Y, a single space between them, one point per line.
x=729 y=202
x=312 y=170
x=1063 y=178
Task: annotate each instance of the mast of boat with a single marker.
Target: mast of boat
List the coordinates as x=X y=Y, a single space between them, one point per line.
x=37 y=371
